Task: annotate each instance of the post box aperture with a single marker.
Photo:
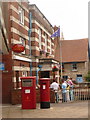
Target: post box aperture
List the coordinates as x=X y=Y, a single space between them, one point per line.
x=27 y=83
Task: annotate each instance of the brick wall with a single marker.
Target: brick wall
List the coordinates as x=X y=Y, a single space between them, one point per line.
x=7 y=79
x=16 y=96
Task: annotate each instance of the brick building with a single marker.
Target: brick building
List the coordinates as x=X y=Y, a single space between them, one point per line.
x=39 y=48
x=74 y=58
x=16 y=64
x=42 y=45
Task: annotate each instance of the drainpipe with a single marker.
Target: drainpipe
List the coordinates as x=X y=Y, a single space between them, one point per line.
x=38 y=69
x=29 y=34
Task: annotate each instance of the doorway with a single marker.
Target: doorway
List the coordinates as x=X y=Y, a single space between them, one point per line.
x=45 y=74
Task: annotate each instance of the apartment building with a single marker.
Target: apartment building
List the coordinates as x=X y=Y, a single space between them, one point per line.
x=42 y=45
x=16 y=64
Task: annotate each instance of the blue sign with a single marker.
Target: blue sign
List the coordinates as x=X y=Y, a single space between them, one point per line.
x=2 y=67
x=79 y=79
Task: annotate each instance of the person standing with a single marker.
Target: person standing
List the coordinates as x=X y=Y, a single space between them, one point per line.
x=71 y=84
x=68 y=89
x=64 y=91
x=55 y=87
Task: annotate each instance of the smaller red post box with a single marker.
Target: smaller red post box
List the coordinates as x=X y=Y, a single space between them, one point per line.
x=28 y=92
x=44 y=93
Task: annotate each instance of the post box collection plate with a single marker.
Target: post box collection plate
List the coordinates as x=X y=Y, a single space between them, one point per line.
x=27 y=91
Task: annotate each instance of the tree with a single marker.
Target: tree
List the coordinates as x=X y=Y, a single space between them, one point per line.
x=87 y=77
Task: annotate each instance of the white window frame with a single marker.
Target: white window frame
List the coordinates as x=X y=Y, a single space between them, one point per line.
x=21 y=15
x=24 y=73
x=22 y=41
x=74 y=66
x=40 y=38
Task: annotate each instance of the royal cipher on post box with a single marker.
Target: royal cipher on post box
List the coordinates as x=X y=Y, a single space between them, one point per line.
x=44 y=93
x=28 y=92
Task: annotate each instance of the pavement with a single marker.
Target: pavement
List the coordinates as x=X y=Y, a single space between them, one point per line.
x=77 y=109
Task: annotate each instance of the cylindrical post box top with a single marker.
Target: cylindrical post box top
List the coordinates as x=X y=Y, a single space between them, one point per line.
x=44 y=79
x=29 y=77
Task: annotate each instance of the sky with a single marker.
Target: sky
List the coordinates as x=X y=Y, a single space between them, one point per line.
x=70 y=15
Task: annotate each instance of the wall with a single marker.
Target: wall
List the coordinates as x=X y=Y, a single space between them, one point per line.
x=16 y=96
x=82 y=68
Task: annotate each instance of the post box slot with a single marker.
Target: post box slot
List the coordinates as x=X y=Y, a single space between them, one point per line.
x=27 y=83
x=43 y=83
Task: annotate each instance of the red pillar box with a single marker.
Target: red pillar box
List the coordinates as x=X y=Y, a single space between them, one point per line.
x=28 y=92
x=44 y=93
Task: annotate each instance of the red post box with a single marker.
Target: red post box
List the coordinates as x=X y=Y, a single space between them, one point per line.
x=44 y=93
x=28 y=92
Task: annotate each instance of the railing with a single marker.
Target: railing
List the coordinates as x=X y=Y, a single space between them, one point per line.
x=82 y=91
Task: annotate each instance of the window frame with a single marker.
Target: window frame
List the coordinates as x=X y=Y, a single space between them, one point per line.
x=46 y=39
x=23 y=43
x=40 y=38
x=74 y=66
x=21 y=15
x=24 y=74
x=50 y=46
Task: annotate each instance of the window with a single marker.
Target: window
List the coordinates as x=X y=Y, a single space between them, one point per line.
x=50 y=47
x=46 y=38
x=21 y=15
x=22 y=41
x=24 y=74
x=79 y=75
x=74 y=67
x=40 y=36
